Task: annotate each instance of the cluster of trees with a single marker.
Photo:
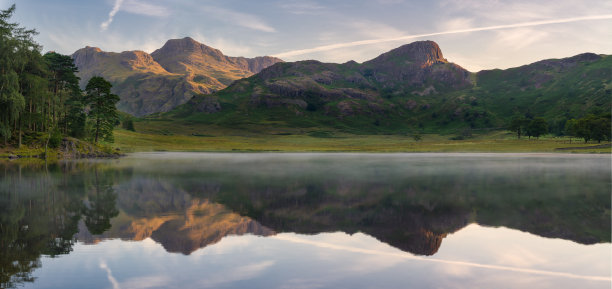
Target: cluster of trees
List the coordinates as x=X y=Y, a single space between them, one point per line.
x=534 y=127
x=590 y=127
x=40 y=94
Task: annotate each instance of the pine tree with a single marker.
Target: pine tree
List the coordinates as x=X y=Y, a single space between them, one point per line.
x=102 y=110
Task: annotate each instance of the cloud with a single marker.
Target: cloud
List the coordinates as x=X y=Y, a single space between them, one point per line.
x=227 y=46
x=134 y=7
x=408 y=37
x=111 y=15
x=501 y=11
x=517 y=39
x=109 y=275
x=403 y=255
x=302 y=7
x=139 y=7
x=239 y=273
x=457 y=24
x=145 y=282
x=238 y=18
x=389 y=2
x=369 y=28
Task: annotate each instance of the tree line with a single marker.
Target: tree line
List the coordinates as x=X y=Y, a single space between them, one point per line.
x=591 y=127
x=40 y=97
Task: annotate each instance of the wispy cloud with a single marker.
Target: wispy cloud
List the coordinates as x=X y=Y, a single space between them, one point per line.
x=457 y=24
x=146 y=282
x=389 y=2
x=238 y=18
x=111 y=15
x=408 y=37
x=517 y=39
x=134 y=7
x=239 y=273
x=302 y=7
x=144 y=8
x=228 y=46
x=109 y=275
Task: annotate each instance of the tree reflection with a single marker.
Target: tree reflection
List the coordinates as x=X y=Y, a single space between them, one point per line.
x=40 y=209
x=100 y=205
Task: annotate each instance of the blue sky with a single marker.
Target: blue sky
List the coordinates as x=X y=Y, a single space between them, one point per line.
x=476 y=34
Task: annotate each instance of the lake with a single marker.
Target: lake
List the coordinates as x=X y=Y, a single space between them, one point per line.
x=285 y=220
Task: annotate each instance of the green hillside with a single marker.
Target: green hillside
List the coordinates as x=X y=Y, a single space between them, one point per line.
x=411 y=89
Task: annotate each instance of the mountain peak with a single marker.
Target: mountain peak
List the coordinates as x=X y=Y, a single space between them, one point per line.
x=422 y=53
x=91 y=48
x=186 y=45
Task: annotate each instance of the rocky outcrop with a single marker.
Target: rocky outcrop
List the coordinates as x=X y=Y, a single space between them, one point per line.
x=421 y=53
x=207 y=104
x=413 y=67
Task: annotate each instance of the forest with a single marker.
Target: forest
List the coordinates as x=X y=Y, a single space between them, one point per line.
x=40 y=98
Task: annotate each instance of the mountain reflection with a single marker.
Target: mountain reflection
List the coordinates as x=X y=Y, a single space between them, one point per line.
x=186 y=204
x=170 y=216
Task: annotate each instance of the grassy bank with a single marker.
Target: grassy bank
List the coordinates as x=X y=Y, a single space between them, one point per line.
x=69 y=148
x=129 y=141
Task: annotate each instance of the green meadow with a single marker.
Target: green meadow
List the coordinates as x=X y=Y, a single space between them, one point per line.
x=162 y=136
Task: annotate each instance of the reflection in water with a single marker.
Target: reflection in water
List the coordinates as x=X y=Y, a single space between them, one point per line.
x=40 y=210
x=189 y=201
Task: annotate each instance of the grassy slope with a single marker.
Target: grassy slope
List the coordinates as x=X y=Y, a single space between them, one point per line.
x=553 y=91
x=546 y=91
x=228 y=140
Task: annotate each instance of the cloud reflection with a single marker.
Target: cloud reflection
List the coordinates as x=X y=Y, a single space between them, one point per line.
x=109 y=275
x=297 y=239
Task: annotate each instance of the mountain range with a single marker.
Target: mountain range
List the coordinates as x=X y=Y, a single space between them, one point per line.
x=168 y=77
x=410 y=88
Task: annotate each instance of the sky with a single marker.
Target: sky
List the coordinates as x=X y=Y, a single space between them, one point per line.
x=476 y=34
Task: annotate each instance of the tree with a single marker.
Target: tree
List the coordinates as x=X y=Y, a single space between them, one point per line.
x=128 y=124
x=601 y=129
x=64 y=85
x=537 y=127
x=518 y=125
x=102 y=108
x=16 y=45
x=38 y=94
x=571 y=128
x=592 y=127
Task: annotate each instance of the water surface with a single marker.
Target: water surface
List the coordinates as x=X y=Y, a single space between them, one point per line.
x=205 y=220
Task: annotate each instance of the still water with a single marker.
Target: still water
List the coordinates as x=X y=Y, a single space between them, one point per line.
x=205 y=220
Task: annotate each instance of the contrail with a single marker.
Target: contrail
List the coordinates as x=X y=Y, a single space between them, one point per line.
x=116 y=8
x=406 y=37
x=289 y=238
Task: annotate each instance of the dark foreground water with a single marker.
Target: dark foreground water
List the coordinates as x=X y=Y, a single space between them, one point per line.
x=197 y=220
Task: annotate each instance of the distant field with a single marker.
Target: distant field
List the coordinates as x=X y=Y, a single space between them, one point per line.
x=325 y=141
